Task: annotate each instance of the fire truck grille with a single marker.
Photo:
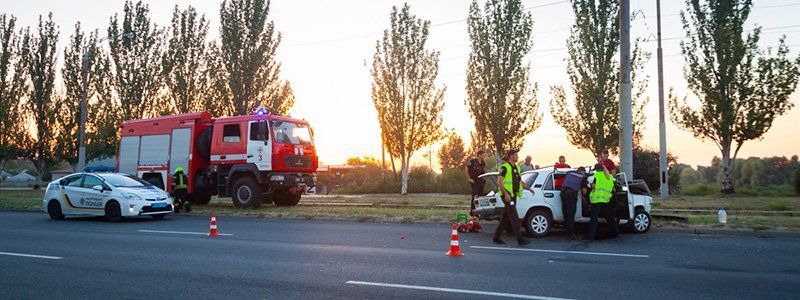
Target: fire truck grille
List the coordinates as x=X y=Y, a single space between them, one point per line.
x=297 y=161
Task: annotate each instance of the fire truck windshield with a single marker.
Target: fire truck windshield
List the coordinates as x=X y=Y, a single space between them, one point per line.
x=292 y=133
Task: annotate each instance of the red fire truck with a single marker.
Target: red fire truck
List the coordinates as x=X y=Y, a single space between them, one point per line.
x=253 y=159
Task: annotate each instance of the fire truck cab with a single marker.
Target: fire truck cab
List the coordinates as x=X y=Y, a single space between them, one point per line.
x=253 y=159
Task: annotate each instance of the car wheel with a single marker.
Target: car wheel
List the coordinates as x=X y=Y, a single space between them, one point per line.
x=538 y=223
x=54 y=210
x=285 y=198
x=246 y=193
x=641 y=221
x=158 y=216
x=113 y=212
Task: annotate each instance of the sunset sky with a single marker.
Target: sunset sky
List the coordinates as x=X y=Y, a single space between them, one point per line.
x=327 y=51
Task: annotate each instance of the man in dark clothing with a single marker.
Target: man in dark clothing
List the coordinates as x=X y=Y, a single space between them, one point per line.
x=179 y=190
x=572 y=185
x=475 y=167
x=510 y=184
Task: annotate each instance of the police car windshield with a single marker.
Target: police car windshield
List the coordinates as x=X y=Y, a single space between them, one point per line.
x=118 y=180
x=292 y=133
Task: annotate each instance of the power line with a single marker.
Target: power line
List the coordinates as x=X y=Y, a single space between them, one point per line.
x=372 y=35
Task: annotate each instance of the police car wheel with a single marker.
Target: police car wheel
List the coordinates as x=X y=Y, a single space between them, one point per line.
x=54 y=210
x=158 y=216
x=641 y=221
x=113 y=212
x=246 y=193
x=538 y=223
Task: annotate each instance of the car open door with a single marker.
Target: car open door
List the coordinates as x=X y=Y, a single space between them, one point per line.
x=621 y=197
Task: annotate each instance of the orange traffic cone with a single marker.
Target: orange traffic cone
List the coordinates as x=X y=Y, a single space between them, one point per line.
x=455 y=250
x=212 y=232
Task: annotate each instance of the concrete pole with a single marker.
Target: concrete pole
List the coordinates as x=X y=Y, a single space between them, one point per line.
x=662 y=127
x=625 y=113
x=82 y=127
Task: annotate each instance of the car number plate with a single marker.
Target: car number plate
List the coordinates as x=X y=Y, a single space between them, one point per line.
x=159 y=205
x=483 y=202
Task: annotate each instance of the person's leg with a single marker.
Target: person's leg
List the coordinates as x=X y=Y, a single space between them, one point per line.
x=611 y=220
x=474 y=189
x=595 y=210
x=568 y=202
x=498 y=233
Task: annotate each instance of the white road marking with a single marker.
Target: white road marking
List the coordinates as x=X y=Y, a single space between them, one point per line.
x=30 y=255
x=449 y=290
x=562 y=251
x=179 y=232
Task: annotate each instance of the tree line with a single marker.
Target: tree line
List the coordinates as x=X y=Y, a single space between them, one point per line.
x=146 y=70
x=740 y=88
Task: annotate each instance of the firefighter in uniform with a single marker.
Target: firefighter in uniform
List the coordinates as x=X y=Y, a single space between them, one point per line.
x=179 y=190
x=599 y=199
x=511 y=186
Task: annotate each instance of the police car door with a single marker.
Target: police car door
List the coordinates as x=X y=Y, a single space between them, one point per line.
x=71 y=191
x=91 y=198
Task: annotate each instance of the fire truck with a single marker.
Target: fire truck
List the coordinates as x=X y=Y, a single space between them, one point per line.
x=254 y=159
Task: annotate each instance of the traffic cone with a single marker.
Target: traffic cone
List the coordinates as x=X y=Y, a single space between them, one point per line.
x=212 y=232
x=455 y=250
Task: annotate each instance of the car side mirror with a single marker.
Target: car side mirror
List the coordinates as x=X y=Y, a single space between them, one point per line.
x=98 y=188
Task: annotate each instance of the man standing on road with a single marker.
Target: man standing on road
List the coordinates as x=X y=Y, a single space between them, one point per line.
x=569 y=197
x=608 y=163
x=561 y=164
x=526 y=166
x=599 y=198
x=179 y=192
x=475 y=167
x=510 y=184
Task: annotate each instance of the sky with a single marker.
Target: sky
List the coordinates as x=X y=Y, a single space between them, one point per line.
x=327 y=48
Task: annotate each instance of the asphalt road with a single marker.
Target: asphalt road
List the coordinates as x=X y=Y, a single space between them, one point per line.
x=277 y=259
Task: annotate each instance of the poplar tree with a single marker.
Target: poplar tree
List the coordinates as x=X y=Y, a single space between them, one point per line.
x=72 y=75
x=451 y=154
x=136 y=60
x=247 y=53
x=500 y=96
x=184 y=61
x=593 y=70
x=39 y=54
x=408 y=102
x=741 y=88
x=13 y=86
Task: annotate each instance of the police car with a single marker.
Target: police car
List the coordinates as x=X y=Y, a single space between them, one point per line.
x=113 y=195
x=539 y=211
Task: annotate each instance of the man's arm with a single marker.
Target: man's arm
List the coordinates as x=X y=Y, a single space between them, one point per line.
x=466 y=171
x=506 y=195
x=525 y=186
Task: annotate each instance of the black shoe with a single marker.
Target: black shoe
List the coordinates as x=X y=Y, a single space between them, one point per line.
x=523 y=242
x=498 y=241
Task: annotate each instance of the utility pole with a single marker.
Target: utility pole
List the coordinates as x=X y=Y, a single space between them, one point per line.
x=625 y=113
x=662 y=127
x=84 y=94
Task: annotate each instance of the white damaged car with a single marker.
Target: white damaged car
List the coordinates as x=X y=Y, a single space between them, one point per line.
x=113 y=195
x=540 y=211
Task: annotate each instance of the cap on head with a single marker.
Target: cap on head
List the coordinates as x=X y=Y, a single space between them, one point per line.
x=179 y=169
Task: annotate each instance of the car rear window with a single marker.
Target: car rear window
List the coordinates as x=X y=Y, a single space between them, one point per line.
x=529 y=178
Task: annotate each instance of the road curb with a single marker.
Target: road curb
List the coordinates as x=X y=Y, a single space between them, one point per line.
x=728 y=231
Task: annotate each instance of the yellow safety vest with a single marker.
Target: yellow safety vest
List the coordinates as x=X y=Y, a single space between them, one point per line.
x=603 y=187
x=508 y=179
x=180 y=181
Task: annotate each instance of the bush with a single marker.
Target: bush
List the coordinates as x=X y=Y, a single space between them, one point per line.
x=699 y=190
x=770 y=191
x=797 y=181
x=779 y=205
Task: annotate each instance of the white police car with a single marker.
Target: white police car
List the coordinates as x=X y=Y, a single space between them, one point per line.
x=113 y=195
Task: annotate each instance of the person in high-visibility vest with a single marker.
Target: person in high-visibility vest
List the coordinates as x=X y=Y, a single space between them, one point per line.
x=510 y=184
x=179 y=190
x=599 y=200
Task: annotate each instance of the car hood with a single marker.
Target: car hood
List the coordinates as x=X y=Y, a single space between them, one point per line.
x=146 y=192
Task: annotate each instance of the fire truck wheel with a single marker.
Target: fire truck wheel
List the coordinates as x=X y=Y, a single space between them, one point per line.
x=286 y=199
x=246 y=193
x=200 y=198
